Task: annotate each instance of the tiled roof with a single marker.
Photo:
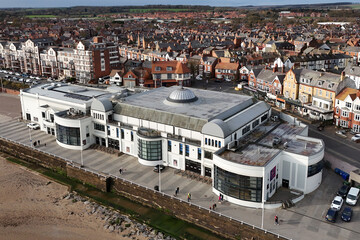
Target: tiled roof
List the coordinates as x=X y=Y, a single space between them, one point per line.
x=347 y=91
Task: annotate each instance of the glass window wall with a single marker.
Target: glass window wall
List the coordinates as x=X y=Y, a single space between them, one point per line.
x=68 y=135
x=238 y=186
x=149 y=150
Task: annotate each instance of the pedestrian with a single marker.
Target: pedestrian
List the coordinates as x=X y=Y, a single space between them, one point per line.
x=189 y=197
x=178 y=190
x=39 y=142
x=220 y=197
x=214 y=206
x=276 y=220
x=45 y=144
x=210 y=207
x=35 y=144
x=120 y=171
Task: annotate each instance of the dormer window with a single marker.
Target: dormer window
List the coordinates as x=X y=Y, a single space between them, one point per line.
x=320 y=83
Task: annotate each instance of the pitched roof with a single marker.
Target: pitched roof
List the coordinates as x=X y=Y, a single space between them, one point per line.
x=181 y=68
x=347 y=91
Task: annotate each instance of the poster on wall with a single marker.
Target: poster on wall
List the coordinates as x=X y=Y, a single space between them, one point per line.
x=272 y=173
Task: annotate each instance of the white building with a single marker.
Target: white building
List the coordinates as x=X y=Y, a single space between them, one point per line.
x=227 y=137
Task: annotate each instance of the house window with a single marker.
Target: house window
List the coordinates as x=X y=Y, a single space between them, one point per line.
x=357 y=107
x=122 y=134
x=181 y=148
x=157 y=68
x=187 y=150
x=169 y=146
x=108 y=130
x=205 y=141
x=43 y=114
x=212 y=142
x=216 y=143
x=132 y=136
x=168 y=68
x=117 y=132
x=343 y=123
x=208 y=155
x=169 y=75
x=357 y=117
x=219 y=144
x=255 y=123
x=347 y=104
x=264 y=117
x=345 y=114
x=246 y=130
x=199 y=154
x=99 y=127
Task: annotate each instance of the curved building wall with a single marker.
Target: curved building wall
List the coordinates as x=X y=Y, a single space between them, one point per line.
x=149 y=151
x=73 y=133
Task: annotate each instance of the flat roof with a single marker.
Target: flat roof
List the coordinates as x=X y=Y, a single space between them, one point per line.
x=256 y=149
x=66 y=92
x=210 y=104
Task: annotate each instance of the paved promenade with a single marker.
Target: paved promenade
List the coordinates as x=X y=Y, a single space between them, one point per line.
x=304 y=221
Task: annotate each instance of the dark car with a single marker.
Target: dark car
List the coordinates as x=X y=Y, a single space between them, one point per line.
x=331 y=215
x=156 y=168
x=346 y=214
x=343 y=191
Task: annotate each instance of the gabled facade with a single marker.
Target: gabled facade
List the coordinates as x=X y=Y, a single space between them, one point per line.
x=347 y=109
x=225 y=69
x=168 y=73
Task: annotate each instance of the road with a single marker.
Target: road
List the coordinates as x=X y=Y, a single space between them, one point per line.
x=343 y=149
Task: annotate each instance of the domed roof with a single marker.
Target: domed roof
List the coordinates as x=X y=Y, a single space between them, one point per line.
x=182 y=95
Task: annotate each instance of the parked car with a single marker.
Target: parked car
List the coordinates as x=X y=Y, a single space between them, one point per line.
x=157 y=167
x=28 y=80
x=337 y=203
x=352 y=196
x=331 y=215
x=33 y=126
x=199 y=77
x=37 y=78
x=34 y=82
x=346 y=214
x=17 y=74
x=341 y=133
x=356 y=138
x=343 y=191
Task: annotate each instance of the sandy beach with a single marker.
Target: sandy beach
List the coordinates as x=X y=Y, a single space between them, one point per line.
x=33 y=207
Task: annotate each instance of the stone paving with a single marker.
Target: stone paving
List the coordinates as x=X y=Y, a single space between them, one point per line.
x=304 y=221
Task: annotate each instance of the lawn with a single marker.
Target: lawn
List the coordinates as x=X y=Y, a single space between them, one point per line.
x=41 y=16
x=144 y=10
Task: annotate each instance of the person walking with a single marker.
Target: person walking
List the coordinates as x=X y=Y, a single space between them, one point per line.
x=214 y=206
x=39 y=142
x=276 y=220
x=120 y=171
x=220 y=197
x=176 y=191
x=189 y=197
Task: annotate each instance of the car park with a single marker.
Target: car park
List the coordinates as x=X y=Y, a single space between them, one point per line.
x=157 y=167
x=331 y=215
x=356 y=138
x=337 y=203
x=343 y=191
x=33 y=126
x=352 y=196
x=346 y=214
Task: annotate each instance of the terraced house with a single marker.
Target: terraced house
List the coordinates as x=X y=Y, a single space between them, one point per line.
x=347 y=109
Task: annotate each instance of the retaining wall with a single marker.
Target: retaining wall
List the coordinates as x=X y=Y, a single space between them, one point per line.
x=9 y=91
x=213 y=221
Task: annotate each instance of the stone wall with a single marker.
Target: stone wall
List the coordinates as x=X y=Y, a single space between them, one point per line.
x=186 y=211
x=28 y=154
x=9 y=91
x=100 y=181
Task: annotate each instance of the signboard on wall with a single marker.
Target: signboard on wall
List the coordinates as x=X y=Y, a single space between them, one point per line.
x=272 y=173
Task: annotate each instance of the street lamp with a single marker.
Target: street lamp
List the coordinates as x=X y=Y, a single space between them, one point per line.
x=159 y=178
x=30 y=137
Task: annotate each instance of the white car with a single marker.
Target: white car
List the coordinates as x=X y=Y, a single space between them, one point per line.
x=37 y=78
x=199 y=77
x=28 y=80
x=32 y=77
x=17 y=74
x=337 y=203
x=33 y=126
x=356 y=138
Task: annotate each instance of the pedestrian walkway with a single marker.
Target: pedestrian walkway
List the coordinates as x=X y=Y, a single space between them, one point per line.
x=304 y=221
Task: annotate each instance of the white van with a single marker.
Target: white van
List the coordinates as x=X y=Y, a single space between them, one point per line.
x=352 y=196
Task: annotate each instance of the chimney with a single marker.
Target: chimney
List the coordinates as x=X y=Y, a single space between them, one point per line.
x=275 y=69
x=342 y=77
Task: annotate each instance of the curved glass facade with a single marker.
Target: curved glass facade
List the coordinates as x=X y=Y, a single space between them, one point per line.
x=238 y=186
x=150 y=150
x=68 y=135
x=315 y=168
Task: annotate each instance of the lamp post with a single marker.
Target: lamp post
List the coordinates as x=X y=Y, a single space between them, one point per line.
x=159 y=178
x=81 y=156
x=30 y=137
